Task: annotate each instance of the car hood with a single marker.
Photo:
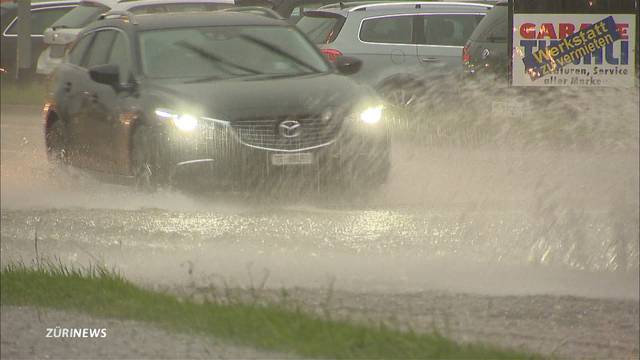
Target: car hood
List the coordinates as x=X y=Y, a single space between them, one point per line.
x=256 y=97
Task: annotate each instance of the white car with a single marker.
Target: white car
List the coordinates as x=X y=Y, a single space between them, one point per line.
x=61 y=35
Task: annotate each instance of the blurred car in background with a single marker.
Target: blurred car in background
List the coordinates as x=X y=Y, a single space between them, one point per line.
x=60 y=36
x=485 y=56
x=293 y=9
x=231 y=95
x=405 y=47
x=43 y=14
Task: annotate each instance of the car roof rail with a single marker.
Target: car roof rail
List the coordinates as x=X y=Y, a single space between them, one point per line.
x=126 y=16
x=416 y=4
x=346 y=5
x=257 y=10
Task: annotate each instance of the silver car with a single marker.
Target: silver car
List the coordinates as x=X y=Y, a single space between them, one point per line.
x=402 y=45
x=61 y=35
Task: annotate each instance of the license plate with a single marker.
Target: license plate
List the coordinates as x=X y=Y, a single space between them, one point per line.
x=508 y=109
x=292 y=159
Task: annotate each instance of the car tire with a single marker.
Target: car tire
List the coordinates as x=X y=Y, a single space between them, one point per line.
x=145 y=160
x=377 y=173
x=402 y=98
x=365 y=176
x=56 y=144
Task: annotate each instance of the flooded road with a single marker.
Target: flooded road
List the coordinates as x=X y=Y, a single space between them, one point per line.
x=488 y=221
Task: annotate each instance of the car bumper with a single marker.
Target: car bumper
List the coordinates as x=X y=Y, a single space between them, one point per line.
x=222 y=155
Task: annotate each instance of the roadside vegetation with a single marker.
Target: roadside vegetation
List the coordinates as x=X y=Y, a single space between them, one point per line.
x=104 y=293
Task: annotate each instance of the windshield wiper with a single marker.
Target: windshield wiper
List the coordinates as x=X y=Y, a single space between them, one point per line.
x=216 y=59
x=204 y=79
x=271 y=76
x=277 y=50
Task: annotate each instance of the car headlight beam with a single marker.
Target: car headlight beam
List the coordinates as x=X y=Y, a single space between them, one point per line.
x=371 y=115
x=185 y=122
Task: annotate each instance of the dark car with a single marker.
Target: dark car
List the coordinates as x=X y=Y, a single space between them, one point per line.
x=233 y=96
x=293 y=9
x=485 y=56
x=43 y=14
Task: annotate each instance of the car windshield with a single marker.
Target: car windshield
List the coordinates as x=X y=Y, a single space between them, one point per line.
x=210 y=53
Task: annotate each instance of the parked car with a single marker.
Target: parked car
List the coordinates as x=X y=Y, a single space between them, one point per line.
x=486 y=56
x=60 y=36
x=293 y=9
x=405 y=47
x=233 y=96
x=43 y=14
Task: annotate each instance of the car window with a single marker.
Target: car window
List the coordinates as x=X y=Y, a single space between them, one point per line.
x=393 y=30
x=298 y=11
x=182 y=7
x=321 y=29
x=81 y=15
x=120 y=55
x=449 y=30
x=79 y=49
x=40 y=20
x=494 y=27
x=100 y=48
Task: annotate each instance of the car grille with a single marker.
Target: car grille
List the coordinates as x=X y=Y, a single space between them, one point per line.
x=264 y=132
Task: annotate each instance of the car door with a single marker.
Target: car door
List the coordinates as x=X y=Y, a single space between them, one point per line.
x=387 y=48
x=91 y=129
x=67 y=93
x=114 y=108
x=441 y=39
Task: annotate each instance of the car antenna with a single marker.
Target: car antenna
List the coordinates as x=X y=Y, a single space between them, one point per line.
x=342 y=5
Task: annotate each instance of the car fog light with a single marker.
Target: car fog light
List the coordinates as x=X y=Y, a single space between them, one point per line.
x=371 y=115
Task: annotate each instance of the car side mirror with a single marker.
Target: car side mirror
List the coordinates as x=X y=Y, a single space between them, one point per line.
x=108 y=74
x=348 y=65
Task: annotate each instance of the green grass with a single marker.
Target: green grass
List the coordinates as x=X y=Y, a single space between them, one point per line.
x=103 y=293
x=12 y=93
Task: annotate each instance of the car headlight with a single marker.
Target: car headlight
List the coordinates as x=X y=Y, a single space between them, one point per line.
x=184 y=122
x=372 y=115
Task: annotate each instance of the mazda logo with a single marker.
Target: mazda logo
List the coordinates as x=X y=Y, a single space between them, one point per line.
x=290 y=128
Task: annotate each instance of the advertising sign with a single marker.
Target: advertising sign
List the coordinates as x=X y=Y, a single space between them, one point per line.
x=579 y=50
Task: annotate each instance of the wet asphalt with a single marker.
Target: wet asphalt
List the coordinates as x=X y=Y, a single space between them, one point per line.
x=481 y=220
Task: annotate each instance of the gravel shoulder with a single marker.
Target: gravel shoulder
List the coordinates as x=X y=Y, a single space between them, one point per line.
x=24 y=331
x=567 y=327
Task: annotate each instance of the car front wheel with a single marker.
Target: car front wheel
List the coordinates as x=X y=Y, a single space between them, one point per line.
x=145 y=159
x=56 y=143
